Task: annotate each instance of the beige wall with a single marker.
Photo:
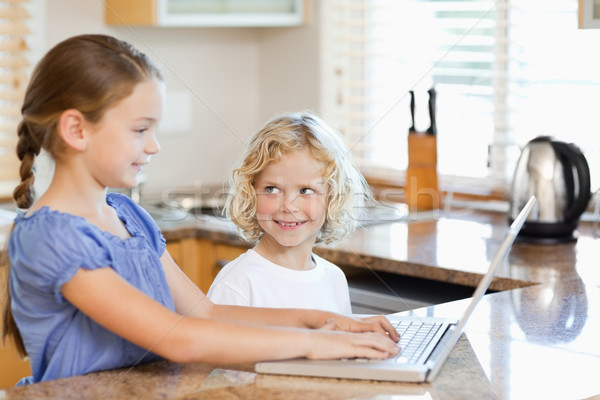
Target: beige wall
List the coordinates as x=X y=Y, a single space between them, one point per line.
x=289 y=67
x=233 y=79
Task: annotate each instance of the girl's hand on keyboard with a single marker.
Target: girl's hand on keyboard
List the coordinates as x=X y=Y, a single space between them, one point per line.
x=335 y=345
x=378 y=324
x=383 y=323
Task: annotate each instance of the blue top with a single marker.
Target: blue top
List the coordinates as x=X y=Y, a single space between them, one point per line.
x=46 y=249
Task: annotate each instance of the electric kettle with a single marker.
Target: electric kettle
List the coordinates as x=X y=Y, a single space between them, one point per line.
x=558 y=174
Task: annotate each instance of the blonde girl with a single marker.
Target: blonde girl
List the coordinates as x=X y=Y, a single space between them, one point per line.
x=296 y=186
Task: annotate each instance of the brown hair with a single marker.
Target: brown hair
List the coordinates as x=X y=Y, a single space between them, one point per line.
x=89 y=73
x=347 y=190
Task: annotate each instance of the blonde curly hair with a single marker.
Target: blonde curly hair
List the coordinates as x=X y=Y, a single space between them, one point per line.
x=347 y=191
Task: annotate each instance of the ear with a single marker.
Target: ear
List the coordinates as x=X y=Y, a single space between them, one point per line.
x=71 y=129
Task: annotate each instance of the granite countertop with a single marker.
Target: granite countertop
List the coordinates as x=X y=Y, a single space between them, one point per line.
x=454 y=247
x=535 y=338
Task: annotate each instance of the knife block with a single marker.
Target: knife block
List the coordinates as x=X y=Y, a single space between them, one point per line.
x=421 y=186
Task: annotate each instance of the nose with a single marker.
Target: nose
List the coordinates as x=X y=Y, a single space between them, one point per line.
x=288 y=203
x=152 y=146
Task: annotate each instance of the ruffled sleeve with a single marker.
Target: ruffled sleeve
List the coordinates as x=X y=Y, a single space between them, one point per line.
x=138 y=221
x=47 y=248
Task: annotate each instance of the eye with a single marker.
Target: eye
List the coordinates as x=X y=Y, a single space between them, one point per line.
x=272 y=189
x=307 y=191
x=141 y=131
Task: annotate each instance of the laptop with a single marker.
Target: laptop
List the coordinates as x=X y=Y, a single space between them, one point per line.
x=426 y=342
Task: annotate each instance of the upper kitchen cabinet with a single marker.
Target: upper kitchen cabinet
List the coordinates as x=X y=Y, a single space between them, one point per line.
x=589 y=14
x=205 y=13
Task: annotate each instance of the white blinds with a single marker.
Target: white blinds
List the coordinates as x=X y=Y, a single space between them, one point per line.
x=496 y=66
x=13 y=80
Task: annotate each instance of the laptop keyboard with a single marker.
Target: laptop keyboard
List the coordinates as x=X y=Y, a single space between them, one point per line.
x=414 y=338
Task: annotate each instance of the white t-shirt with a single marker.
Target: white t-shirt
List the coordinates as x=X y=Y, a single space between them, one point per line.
x=252 y=280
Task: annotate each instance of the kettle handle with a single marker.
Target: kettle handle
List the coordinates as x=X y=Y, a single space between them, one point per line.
x=573 y=157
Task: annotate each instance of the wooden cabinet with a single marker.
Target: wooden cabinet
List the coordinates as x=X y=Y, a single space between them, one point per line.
x=12 y=367
x=214 y=13
x=201 y=259
x=131 y=12
x=225 y=253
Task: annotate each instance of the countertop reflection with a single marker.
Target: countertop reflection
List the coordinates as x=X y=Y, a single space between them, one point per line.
x=536 y=342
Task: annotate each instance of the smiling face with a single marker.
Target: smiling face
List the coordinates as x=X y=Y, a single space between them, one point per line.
x=291 y=200
x=122 y=142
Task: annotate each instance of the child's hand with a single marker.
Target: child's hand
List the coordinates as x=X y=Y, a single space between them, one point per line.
x=383 y=323
x=378 y=324
x=335 y=345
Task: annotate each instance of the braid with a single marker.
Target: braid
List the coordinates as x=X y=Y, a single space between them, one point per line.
x=27 y=148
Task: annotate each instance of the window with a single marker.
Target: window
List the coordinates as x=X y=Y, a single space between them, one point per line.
x=13 y=80
x=504 y=72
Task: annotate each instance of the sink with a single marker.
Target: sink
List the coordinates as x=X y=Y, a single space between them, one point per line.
x=181 y=204
x=177 y=205
x=381 y=213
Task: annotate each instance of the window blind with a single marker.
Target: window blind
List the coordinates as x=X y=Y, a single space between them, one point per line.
x=13 y=80
x=500 y=69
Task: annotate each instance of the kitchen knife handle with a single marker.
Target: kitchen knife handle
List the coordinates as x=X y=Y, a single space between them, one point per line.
x=412 y=111
x=432 y=127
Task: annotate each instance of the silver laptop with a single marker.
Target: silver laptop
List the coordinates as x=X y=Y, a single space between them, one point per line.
x=426 y=342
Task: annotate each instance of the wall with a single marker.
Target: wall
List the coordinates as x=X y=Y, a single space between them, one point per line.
x=289 y=68
x=231 y=79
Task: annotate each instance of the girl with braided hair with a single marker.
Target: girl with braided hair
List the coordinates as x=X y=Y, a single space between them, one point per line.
x=91 y=285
